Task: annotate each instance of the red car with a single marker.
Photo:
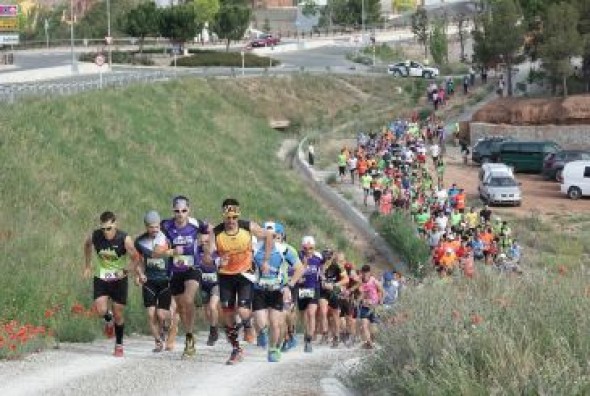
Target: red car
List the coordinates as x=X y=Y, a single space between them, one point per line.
x=267 y=40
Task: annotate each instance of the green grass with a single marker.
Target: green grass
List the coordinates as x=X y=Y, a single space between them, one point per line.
x=494 y=334
x=67 y=160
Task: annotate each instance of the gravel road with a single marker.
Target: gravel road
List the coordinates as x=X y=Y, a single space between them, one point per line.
x=90 y=369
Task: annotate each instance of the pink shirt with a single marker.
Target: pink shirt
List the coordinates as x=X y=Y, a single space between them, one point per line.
x=370 y=291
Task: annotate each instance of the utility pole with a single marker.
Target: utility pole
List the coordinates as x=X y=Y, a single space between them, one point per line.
x=110 y=39
x=74 y=64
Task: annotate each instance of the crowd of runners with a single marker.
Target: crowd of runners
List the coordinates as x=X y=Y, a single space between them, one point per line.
x=250 y=281
x=402 y=168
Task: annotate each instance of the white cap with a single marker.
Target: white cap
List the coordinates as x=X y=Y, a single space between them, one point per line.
x=270 y=225
x=308 y=240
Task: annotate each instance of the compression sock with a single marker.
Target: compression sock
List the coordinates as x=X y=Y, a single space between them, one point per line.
x=119 y=330
x=232 y=336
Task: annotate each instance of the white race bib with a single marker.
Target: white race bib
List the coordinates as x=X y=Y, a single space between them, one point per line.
x=110 y=275
x=210 y=277
x=269 y=283
x=183 y=262
x=156 y=263
x=306 y=293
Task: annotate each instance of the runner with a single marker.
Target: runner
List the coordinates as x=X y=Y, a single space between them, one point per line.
x=233 y=242
x=271 y=291
x=347 y=305
x=184 y=235
x=372 y=295
x=308 y=291
x=290 y=311
x=210 y=299
x=333 y=279
x=110 y=275
x=152 y=274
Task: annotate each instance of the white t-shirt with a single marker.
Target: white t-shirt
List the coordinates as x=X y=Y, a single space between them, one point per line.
x=435 y=150
x=352 y=161
x=441 y=221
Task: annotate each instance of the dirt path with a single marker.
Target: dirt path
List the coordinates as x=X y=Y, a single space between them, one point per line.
x=89 y=369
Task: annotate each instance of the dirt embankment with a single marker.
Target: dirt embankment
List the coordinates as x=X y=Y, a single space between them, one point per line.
x=572 y=110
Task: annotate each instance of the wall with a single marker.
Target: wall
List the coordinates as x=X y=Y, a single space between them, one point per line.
x=567 y=136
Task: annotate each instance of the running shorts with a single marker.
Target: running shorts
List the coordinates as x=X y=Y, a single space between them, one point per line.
x=341 y=170
x=346 y=308
x=331 y=298
x=302 y=303
x=207 y=291
x=267 y=299
x=157 y=294
x=367 y=313
x=179 y=278
x=115 y=290
x=232 y=288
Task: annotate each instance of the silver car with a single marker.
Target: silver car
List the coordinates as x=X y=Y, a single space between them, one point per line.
x=501 y=189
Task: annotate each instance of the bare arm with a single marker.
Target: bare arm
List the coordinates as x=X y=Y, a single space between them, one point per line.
x=133 y=253
x=261 y=233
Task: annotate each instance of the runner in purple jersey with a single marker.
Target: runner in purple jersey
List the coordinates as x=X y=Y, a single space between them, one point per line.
x=308 y=289
x=185 y=235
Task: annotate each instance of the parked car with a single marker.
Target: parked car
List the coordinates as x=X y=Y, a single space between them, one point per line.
x=554 y=162
x=526 y=156
x=265 y=40
x=500 y=187
x=576 y=179
x=412 y=69
x=486 y=149
x=487 y=169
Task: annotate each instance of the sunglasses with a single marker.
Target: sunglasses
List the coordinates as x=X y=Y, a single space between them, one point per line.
x=109 y=228
x=232 y=217
x=180 y=210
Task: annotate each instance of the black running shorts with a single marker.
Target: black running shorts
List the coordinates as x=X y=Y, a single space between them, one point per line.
x=115 y=290
x=234 y=288
x=266 y=299
x=157 y=294
x=179 y=278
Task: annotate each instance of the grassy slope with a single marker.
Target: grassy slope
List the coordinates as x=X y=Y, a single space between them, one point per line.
x=67 y=160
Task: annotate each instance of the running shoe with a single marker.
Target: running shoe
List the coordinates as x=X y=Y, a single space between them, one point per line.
x=274 y=355
x=159 y=346
x=249 y=335
x=307 y=347
x=367 y=345
x=325 y=339
x=118 y=351
x=335 y=342
x=213 y=337
x=285 y=347
x=236 y=356
x=109 y=329
x=189 y=348
x=292 y=342
x=262 y=339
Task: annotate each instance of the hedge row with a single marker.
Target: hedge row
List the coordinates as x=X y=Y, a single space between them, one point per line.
x=124 y=57
x=230 y=59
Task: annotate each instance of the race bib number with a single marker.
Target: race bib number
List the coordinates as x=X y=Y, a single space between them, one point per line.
x=269 y=283
x=110 y=275
x=183 y=262
x=156 y=263
x=306 y=293
x=209 y=277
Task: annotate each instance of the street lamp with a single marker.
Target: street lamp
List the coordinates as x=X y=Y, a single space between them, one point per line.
x=363 y=18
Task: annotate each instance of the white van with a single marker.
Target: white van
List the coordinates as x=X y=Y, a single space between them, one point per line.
x=486 y=170
x=575 y=181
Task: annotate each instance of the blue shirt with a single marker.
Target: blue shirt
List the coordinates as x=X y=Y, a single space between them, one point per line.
x=280 y=260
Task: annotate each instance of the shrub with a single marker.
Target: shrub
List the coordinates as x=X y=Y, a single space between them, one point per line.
x=400 y=232
x=233 y=59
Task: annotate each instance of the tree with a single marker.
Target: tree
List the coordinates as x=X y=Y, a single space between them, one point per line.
x=232 y=20
x=561 y=41
x=420 y=28
x=462 y=21
x=178 y=23
x=350 y=12
x=439 y=43
x=205 y=10
x=500 y=36
x=141 y=22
